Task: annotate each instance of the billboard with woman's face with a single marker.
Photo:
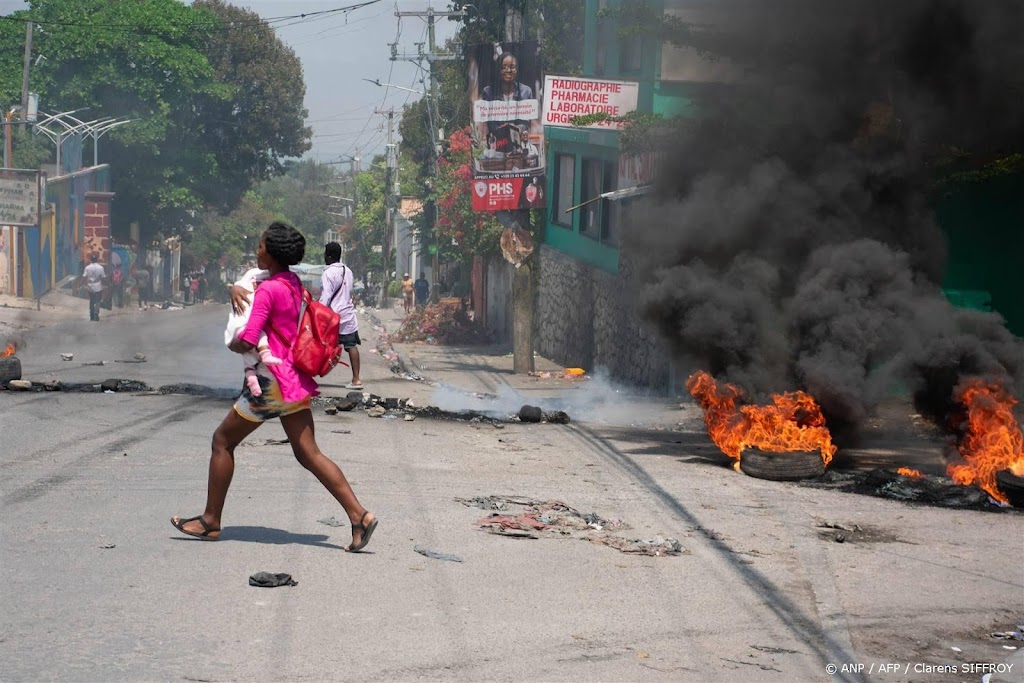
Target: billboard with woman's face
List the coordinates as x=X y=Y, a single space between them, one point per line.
x=505 y=85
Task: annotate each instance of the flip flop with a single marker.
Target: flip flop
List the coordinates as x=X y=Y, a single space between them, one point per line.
x=367 y=532
x=353 y=386
x=204 y=535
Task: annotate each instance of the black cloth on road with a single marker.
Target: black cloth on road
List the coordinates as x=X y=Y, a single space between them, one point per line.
x=268 y=580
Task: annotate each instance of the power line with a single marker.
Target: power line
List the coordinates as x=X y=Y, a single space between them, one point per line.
x=134 y=28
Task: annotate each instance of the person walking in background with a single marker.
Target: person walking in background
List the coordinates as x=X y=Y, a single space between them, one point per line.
x=202 y=288
x=194 y=288
x=336 y=292
x=286 y=394
x=142 y=280
x=407 y=292
x=93 y=277
x=422 y=288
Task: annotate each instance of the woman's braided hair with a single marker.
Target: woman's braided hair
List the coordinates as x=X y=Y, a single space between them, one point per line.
x=284 y=243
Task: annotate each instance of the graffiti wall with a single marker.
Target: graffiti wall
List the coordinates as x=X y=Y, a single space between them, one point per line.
x=67 y=194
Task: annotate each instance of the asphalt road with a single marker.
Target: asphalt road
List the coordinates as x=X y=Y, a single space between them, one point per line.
x=98 y=586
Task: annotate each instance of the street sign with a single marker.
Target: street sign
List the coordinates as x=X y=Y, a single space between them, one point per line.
x=19 y=197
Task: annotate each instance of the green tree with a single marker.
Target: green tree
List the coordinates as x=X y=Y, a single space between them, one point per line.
x=225 y=239
x=262 y=120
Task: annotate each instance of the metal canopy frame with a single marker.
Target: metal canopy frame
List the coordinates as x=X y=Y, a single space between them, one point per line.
x=72 y=125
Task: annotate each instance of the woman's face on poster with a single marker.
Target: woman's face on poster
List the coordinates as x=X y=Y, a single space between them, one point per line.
x=509 y=68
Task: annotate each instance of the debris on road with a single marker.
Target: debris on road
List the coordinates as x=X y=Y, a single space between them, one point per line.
x=67 y=356
x=886 y=483
x=531 y=414
x=10 y=368
x=95 y=362
x=19 y=385
x=52 y=385
x=1010 y=635
x=436 y=555
x=376 y=411
x=555 y=517
x=332 y=521
x=409 y=417
x=108 y=546
x=265 y=442
x=269 y=580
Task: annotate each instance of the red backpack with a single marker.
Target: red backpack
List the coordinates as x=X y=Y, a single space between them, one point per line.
x=316 y=349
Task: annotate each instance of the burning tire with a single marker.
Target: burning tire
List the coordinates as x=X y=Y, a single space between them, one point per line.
x=10 y=368
x=1013 y=486
x=790 y=466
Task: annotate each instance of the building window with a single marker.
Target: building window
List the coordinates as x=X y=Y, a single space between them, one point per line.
x=630 y=55
x=610 y=214
x=603 y=31
x=590 y=218
x=565 y=180
x=600 y=218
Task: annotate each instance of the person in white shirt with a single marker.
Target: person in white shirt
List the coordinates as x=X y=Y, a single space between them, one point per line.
x=336 y=292
x=92 y=278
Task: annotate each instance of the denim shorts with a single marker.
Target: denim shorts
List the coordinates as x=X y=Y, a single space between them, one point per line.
x=349 y=340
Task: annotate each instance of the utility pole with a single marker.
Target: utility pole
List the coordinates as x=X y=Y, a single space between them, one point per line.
x=389 y=204
x=430 y=57
x=522 y=279
x=24 y=74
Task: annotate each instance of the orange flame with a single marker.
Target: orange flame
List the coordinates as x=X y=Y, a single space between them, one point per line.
x=993 y=441
x=792 y=423
x=9 y=350
x=909 y=472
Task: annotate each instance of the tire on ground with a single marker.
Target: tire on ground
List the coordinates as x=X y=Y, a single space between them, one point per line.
x=1012 y=486
x=782 y=466
x=10 y=368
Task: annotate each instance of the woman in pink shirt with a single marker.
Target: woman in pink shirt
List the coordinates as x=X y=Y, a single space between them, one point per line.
x=286 y=394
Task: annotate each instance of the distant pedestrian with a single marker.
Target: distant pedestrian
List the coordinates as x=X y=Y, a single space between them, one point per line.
x=142 y=279
x=194 y=287
x=286 y=394
x=422 y=288
x=202 y=288
x=186 y=287
x=336 y=286
x=93 y=277
x=408 y=290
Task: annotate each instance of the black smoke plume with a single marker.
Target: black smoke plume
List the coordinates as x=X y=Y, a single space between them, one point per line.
x=794 y=243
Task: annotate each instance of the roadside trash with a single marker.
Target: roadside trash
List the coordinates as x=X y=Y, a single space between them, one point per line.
x=265 y=442
x=1010 y=635
x=268 y=580
x=956 y=649
x=437 y=555
x=108 y=546
x=376 y=411
x=141 y=357
x=557 y=417
x=67 y=356
x=534 y=519
x=52 y=385
x=390 y=416
x=19 y=385
x=341 y=431
x=332 y=521
x=410 y=417
x=574 y=372
x=98 y=362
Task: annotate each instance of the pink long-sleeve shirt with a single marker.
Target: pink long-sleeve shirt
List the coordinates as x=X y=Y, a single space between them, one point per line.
x=277 y=303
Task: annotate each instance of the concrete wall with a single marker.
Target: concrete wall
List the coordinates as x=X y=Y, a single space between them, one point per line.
x=586 y=317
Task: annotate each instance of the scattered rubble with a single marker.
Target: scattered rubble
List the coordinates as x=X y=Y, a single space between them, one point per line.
x=436 y=555
x=376 y=411
x=886 y=483
x=67 y=356
x=19 y=385
x=444 y=323
x=532 y=519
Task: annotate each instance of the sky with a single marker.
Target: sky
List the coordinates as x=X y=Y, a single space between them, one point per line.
x=337 y=51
